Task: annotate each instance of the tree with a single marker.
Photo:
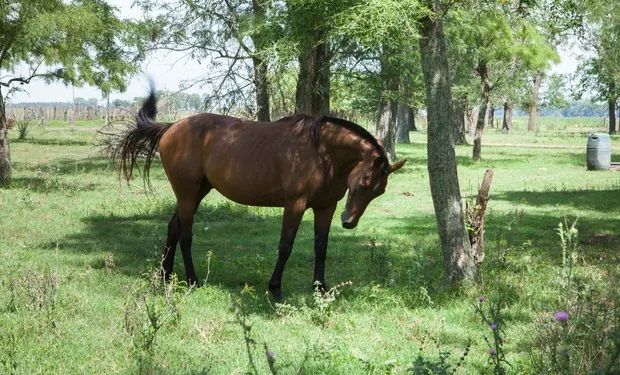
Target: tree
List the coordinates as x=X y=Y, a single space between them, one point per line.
x=600 y=71
x=551 y=19
x=121 y=103
x=385 y=30
x=234 y=37
x=494 y=43
x=458 y=258
x=310 y=28
x=78 y=42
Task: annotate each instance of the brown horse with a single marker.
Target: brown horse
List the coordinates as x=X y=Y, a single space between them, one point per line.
x=297 y=162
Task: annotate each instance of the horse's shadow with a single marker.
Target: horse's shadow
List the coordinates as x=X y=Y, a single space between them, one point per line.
x=237 y=245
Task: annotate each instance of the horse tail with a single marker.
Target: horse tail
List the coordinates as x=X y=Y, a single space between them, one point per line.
x=140 y=138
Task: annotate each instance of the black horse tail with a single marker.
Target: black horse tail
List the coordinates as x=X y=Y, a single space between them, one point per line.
x=140 y=138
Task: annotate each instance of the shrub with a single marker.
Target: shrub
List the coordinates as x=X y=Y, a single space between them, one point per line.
x=23 y=127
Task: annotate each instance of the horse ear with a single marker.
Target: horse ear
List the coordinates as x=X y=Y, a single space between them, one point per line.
x=396 y=166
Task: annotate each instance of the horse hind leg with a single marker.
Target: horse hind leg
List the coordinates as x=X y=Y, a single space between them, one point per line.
x=174 y=232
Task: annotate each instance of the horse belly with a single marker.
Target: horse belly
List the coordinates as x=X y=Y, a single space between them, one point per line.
x=249 y=191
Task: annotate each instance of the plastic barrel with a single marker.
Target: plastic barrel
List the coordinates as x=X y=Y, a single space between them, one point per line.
x=599 y=151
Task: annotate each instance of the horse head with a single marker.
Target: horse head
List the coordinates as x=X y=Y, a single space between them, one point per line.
x=366 y=181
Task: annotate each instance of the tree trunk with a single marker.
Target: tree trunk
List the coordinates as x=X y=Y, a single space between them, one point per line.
x=612 y=115
x=5 y=150
x=507 y=120
x=459 y=129
x=386 y=126
x=388 y=106
x=411 y=118
x=475 y=218
x=492 y=115
x=262 y=90
x=458 y=258
x=261 y=84
x=403 y=123
x=473 y=120
x=313 y=86
x=485 y=92
x=533 y=119
x=469 y=116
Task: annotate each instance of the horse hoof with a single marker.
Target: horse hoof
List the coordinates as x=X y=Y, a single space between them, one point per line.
x=277 y=294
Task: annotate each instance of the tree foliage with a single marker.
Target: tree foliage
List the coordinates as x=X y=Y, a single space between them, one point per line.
x=77 y=42
x=81 y=42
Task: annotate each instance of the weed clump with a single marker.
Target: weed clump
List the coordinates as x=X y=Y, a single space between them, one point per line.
x=152 y=306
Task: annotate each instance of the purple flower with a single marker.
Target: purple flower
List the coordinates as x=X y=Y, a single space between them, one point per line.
x=561 y=316
x=482 y=299
x=492 y=351
x=494 y=326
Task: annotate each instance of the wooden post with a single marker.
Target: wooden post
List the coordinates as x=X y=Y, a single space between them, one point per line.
x=475 y=218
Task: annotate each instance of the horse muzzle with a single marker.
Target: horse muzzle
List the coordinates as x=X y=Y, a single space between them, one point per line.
x=347 y=221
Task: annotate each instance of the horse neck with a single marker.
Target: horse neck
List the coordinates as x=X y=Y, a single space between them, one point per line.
x=345 y=147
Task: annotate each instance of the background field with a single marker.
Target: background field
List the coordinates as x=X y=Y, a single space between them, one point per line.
x=78 y=248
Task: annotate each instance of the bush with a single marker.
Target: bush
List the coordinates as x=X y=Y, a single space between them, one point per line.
x=23 y=127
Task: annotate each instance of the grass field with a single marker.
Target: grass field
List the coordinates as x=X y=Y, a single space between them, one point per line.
x=79 y=248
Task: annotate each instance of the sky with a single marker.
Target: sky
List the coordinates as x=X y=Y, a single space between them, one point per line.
x=168 y=70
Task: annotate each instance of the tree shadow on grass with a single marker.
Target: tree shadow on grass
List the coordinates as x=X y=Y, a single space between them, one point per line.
x=399 y=256
x=582 y=199
x=53 y=142
x=93 y=164
x=243 y=243
x=48 y=184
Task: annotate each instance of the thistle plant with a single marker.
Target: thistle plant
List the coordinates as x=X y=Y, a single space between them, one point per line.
x=491 y=314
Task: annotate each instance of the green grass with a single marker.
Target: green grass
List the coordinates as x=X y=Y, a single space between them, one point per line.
x=67 y=221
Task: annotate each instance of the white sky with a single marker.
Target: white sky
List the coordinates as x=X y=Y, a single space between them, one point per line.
x=168 y=70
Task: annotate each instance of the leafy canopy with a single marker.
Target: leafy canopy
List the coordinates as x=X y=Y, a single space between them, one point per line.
x=81 y=41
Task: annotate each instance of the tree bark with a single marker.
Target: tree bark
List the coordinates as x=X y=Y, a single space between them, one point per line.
x=485 y=92
x=411 y=118
x=459 y=129
x=261 y=83
x=388 y=106
x=386 y=126
x=612 y=115
x=469 y=116
x=403 y=123
x=492 y=115
x=262 y=90
x=507 y=120
x=313 y=85
x=458 y=258
x=473 y=120
x=5 y=150
x=533 y=118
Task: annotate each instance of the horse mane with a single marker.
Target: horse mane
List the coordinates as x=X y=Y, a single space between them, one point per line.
x=314 y=124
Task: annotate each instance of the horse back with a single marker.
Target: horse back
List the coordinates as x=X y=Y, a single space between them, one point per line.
x=264 y=164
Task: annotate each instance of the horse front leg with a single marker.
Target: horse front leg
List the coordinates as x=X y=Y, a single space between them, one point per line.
x=322 y=223
x=290 y=223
